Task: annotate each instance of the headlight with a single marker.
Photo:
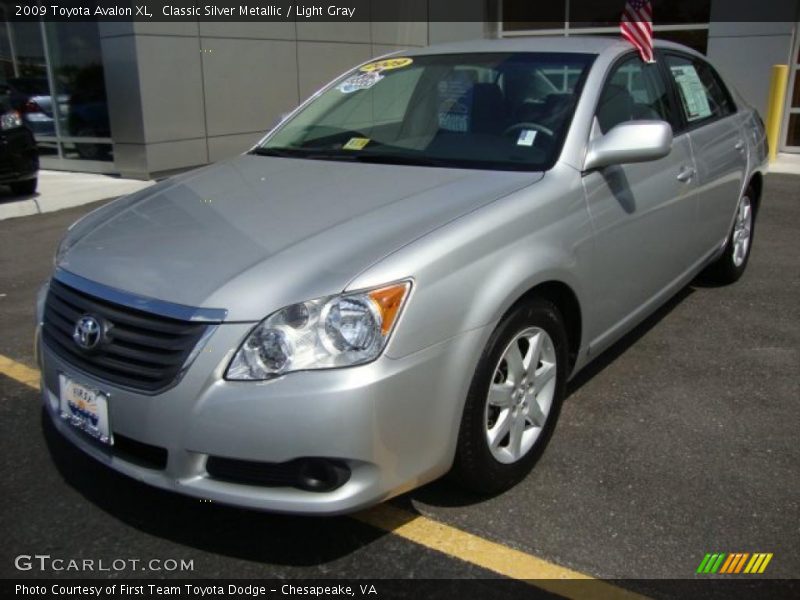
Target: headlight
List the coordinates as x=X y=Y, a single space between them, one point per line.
x=10 y=120
x=336 y=331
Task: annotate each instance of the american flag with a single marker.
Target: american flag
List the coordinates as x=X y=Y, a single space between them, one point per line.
x=637 y=27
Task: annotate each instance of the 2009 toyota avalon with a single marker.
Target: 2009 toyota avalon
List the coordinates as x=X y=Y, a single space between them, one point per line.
x=399 y=280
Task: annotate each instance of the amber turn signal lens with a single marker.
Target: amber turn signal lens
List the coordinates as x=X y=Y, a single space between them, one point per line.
x=389 y=301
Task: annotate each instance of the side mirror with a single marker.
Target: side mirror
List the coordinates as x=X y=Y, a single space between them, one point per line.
x=630 y=142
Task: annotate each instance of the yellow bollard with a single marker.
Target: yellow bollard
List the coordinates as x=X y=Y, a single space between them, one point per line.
x=777 y=93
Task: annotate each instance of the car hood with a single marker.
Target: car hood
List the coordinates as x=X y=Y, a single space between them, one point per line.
x=255 y=233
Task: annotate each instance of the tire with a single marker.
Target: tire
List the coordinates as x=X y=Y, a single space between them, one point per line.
x=490 y=468
x=730 y=266
x=25 y=188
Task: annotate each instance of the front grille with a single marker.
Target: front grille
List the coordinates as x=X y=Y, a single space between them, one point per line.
x=140 y=350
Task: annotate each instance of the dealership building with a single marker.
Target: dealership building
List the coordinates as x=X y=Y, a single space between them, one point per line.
x=143 y=99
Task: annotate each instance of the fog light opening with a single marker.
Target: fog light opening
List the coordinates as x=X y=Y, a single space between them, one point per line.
x=321 y=475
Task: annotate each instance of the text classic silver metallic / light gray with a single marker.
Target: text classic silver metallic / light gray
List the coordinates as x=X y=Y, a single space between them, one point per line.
x=398 y=281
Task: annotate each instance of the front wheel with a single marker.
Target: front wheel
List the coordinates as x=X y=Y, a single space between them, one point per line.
x=729 y=267
x=514 y=399
x=24 y=188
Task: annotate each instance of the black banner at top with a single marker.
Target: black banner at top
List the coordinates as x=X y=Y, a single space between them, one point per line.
x=536 y=14
x=250 y=10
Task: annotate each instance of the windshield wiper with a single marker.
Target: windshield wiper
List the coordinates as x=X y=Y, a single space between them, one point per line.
x=306 y=153
x=283 y=152
x=384 y=159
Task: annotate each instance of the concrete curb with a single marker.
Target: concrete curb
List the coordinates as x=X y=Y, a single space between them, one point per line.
x=787 y=164
x=59 y=190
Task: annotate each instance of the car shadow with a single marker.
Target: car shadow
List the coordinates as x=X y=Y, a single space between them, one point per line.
x=238 y=533
x=444 y=494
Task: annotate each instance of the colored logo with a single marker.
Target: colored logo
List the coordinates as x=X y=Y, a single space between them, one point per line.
x=734 y=563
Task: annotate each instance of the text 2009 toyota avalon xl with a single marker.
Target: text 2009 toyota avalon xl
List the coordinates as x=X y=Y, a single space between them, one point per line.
x=399 y=280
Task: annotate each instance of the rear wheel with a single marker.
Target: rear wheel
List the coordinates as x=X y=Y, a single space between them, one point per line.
x=24 y=188
x=729 y=267
x=514 y=399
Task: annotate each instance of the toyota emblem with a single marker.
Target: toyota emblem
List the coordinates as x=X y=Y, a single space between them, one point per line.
x=87 y=333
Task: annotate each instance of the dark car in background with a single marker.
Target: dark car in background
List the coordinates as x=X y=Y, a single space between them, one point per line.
x=19 y=158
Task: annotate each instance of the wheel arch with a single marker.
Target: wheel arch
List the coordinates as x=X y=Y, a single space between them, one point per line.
x=566 y=301
x=757 y=184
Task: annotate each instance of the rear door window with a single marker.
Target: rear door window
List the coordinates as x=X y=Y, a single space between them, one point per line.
x=703 y=95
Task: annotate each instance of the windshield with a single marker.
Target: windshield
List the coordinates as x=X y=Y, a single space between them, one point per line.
x=490 y=111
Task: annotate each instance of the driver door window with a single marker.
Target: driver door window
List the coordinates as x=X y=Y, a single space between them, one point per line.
x=635 y=91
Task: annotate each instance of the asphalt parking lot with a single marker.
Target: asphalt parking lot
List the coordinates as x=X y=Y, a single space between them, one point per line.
x=681 y=440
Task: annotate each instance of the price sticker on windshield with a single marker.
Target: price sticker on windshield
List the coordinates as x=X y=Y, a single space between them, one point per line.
x=356 y=143
x=526 y=137
x=360 y=81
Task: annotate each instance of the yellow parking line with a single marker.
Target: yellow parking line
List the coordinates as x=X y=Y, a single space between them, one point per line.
x=444 y=538
x=19 y=372
x=490 y=555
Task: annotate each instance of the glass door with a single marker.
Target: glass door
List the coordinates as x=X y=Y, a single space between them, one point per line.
x=791 y=119
x=52 y=74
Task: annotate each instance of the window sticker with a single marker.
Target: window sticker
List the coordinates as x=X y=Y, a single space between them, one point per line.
x=386 y=65
x=361 y=81
x=526 y=137
x=455 y=102
x=356 y=143
x=693 y=92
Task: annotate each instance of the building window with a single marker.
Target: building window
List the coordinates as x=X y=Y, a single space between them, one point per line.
x=606 y=13
x=533 y=16
x=681 y=21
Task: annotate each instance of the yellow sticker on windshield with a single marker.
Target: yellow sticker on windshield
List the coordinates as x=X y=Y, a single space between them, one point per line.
x=387 y=64
x=356 y=143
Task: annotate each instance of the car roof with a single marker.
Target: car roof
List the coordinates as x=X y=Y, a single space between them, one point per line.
x=587 y=44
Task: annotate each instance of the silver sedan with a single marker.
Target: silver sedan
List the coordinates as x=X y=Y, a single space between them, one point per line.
x=398 y=281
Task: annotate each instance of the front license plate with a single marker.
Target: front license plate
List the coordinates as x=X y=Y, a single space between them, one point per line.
x=85 y=408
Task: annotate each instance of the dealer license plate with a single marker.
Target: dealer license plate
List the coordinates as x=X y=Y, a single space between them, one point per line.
x=85 y=408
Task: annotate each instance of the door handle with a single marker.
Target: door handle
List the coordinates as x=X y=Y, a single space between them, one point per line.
x=739 y=145
x=686 y=174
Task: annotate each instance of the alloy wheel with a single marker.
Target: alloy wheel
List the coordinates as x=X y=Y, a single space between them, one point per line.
x=520 y=395
x=742 y=230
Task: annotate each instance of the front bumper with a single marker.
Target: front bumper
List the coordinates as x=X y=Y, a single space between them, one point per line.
x=393 y=422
